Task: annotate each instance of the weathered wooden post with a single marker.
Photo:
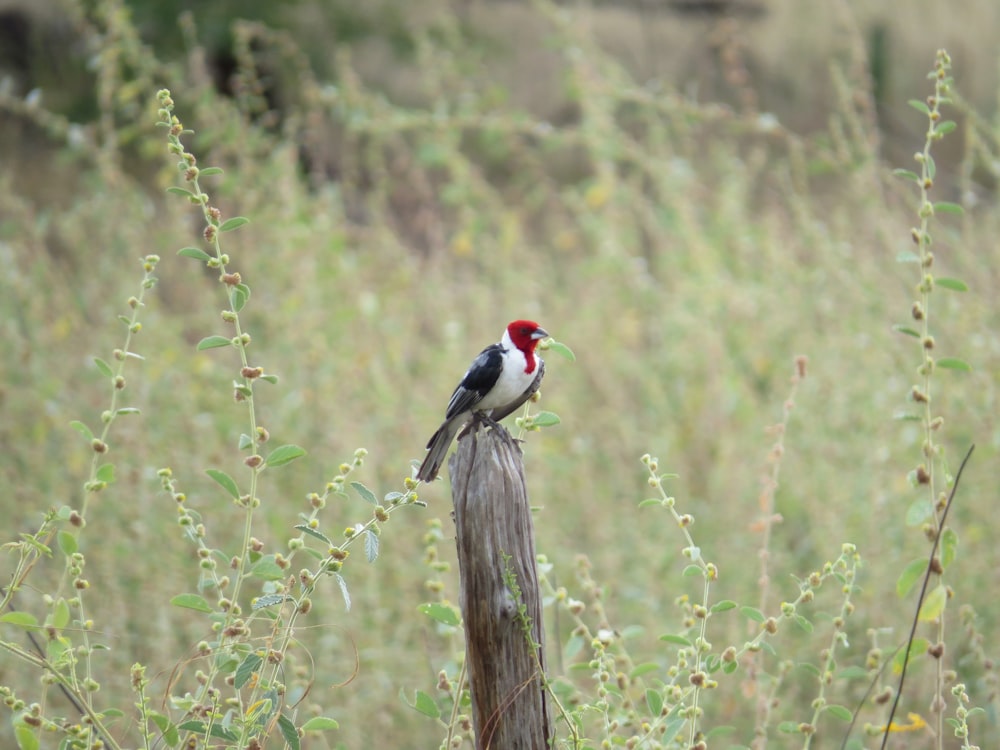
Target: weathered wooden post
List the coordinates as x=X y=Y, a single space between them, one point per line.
x=504 y=661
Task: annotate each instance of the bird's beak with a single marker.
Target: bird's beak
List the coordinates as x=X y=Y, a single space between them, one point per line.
x=540 y=333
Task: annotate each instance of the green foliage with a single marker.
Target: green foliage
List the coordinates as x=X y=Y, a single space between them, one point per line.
x=684 y=250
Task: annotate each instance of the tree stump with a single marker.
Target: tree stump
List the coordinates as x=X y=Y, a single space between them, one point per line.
x=493 y=520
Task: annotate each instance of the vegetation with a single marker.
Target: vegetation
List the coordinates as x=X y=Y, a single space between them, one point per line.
x=803 y=337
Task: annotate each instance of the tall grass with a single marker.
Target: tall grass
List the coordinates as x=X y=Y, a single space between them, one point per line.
x=686 y=253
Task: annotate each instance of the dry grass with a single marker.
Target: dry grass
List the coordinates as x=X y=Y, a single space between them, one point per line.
x=685 y=253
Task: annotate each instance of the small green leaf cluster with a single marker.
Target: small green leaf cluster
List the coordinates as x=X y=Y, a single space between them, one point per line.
x=930 y=476
x=66 y=659
x=241 y=695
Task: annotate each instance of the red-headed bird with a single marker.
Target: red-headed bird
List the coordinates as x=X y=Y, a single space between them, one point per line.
x=500 y=379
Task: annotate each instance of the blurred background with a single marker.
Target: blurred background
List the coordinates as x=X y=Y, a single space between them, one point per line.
x=688 y=194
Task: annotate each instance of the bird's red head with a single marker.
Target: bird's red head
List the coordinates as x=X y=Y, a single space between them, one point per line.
x=526 y=334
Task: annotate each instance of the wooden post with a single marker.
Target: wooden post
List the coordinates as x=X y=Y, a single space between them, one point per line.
x=493 y=519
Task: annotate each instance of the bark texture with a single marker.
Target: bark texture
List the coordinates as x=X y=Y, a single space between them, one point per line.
x=493 y=519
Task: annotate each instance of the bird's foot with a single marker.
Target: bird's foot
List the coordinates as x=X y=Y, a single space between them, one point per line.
x=479 y=419
x=486 y=420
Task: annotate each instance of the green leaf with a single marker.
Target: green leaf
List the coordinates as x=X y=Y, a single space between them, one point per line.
x=226 y=481
x=945 y=127
x=67 y=543
x=56 y=650
x=272 y=379
x=934 y=604
x=692 y=570
x=931 y=166
x=181 y=191
x=949 y=547
x=803 y=623
x=240 y=295
x=209 y=171
x=371 y=545
x=29 y=540
x=267 y=569
x=227 y=662
x=306 y=529
x=952 y=363
x=25 y=737
x=956 y=285
x=645 y=668
x=906 y=174
x=288 y=731
x=20 y=619
x=678 y=640
x=853 y=672
x=907 y=256
x=651 y=501
x=920 y=106
x=561 y=349
x=343 y=591
x=269 y=600
x=720 y=731
x=723 y=606
x=60 y=615
x=104 y=367
x=126 y=411
x=284 y=454
x=945 y=207
x=106 y=473
x=245 y=441
x=167 y=728
x=919 y=511
x=191 y=601
x=320 y=724
x=545 y=419
x=810 y=669
x=907 y=330
x=247 y=669
x=674 y=726
x=912 y=573
x=234 y=223
x=918 y=647
x=906 y=416
x=654 y=701
x=422 y=703
x=213 y=342
x=839 y=712
x=366 y=493
x=443 y=613
x=194 y=252
x=752 y=613
x=573 y=647
x=217 y=730
x=82 y=429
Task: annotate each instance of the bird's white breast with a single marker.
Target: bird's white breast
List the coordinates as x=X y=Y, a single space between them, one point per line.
x=513 y=380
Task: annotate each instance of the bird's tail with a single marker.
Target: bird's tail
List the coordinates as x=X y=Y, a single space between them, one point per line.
x=437 y=449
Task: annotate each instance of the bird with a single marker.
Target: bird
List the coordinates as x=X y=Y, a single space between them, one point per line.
x=498 y=381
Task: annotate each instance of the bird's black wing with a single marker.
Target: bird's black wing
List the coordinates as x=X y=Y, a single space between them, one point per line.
x=480 y=378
